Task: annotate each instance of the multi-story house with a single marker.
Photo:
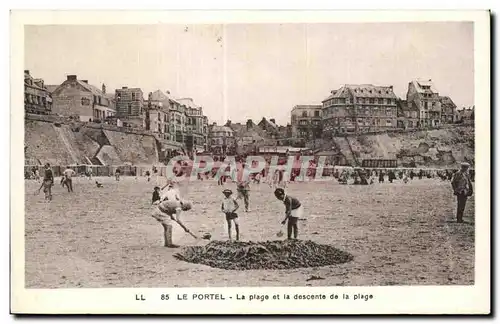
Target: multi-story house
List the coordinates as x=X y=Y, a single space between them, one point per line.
x=221 y=140
x=196 y=126
x=359 y=108
x=448 y=109
x=130 y=107
x=37 y=97
x=156 y=116
x=78 y=98
x=426 y=97
x=306 y=122
x=407 y=115
x=270 y=127
x=177 y=124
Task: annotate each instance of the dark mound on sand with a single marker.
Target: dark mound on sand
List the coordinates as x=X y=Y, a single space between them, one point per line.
x=288 y=254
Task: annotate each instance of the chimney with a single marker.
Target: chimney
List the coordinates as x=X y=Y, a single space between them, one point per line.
x=85 y=81
x=168 y=92
x=71 y=77
x=27 y=72
x=103 y=88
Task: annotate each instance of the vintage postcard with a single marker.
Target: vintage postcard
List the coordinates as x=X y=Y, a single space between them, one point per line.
x=250 y=162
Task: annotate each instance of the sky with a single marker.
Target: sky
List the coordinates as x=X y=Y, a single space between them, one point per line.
x=250 y=71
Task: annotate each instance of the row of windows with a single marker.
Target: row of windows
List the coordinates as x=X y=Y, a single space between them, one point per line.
x=380 y=101
x=305 y=122
x=316 y=113
x=360 y=121
x=36 y=100
x=433 y=104
x=389 y=111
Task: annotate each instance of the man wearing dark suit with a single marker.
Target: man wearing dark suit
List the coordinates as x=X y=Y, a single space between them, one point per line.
x=462 y=188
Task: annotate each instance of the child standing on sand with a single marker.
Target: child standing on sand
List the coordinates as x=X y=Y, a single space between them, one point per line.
x=229 y=207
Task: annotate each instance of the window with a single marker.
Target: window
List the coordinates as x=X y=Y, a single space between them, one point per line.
x=133 y=96
x=316 y=113
x=99 y=100
x=426 y=105
x=130 y=109
x=372 y=100
x=304 y=114
x=380 y=101
x=95 y=99
x=367 y=110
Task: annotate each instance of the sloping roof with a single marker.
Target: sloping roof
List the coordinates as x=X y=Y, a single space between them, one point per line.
x=363 y=90
x=51 y=87
x=371 y=91
x=419 y=83
x=94 y=90
x=188 y=102
x=446 y=101
x=158 y=95
x=270 y=123
x=340 y=93
x=405 y=106
x=217 y=128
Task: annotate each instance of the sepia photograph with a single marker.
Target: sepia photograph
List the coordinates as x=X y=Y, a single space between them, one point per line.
x=323 y=154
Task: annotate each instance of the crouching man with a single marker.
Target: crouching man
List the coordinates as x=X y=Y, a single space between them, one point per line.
x=168 y=212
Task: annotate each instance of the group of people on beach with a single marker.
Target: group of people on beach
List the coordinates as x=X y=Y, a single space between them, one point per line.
x=168 y=206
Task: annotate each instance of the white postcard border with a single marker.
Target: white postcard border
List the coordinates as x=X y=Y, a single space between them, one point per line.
x=386 y=300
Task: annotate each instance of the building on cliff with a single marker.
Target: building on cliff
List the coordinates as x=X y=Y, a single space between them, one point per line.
x=80 y=99
x=221 y=140
x=359 y=108
x=426 y=97
x=306 y=122
x=407 y=115
x=130 y=107
x=37 y=98
x=448 y=109
x=156 y=115
x=177 y=120
x=196 y=128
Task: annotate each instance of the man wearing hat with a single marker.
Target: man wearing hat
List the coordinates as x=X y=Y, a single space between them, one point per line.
x=229 y=207
x=462 y=188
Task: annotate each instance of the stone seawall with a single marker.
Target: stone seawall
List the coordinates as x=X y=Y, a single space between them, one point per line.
x=65 y=143
x=432 y=148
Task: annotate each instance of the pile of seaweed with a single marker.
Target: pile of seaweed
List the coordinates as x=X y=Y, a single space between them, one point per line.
x=288 y=254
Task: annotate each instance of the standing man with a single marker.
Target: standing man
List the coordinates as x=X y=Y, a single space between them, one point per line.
x=117 y=174
x=462 y=188
x=243 y=188
x=48 y=182
x=68 y=174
